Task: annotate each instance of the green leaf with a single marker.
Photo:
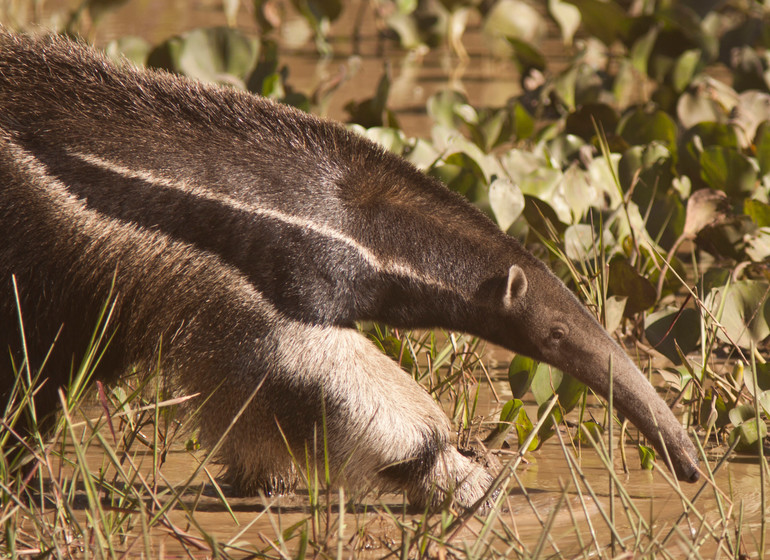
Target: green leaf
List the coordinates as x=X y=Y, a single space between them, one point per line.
x=745 y=313
x=595 y=430
x=551 y=424
x=134 y=49
x=664 y=334
x=508 y=417
x=567 y=17
x=582 y=243
x=643 y=127
x=442 y=107
x=541 y=217
x=728 y=170
x=625 y=281
x=642 y=48
x=713 y=411
x=371 y=112
x=698 y=107
x=514 y=19
x=506 y=200
x=520 y=374
x=548 y=381
x=758 y=211
x=218 y=54
x=749 y=432
x=527 y=56
x=685 y=68
x=705 y=207
x=646 y=457
x=758 y=245
x=606 y=21
x=524 y=427
x=762 y=145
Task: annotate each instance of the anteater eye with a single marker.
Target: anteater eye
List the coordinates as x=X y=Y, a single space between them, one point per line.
x=557 y=333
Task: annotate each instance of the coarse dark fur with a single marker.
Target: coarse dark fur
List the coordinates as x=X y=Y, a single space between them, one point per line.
x=249 y=238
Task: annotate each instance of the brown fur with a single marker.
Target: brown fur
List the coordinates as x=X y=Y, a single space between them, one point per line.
x=249 y=238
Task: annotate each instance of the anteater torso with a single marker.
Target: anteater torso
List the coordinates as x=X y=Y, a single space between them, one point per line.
x=240 y=240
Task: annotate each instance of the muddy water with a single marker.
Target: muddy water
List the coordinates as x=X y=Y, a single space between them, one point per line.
x=544 y=476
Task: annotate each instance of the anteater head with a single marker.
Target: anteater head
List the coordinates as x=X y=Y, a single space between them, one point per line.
x=542 y=319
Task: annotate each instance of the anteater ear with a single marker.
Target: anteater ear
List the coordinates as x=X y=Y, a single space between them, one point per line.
x=515 y=287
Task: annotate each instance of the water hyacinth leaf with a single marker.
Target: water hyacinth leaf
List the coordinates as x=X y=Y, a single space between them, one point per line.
x=582 y=243
x=524 y=427
x=764 y=402
x=564 y=149
x=134 y=49
x=218 y=54
x=458 y=178
x=564 y=87
x=523 y=122
x=627 y=282
x=214 y=54
x=506 y=200
x=728 y=170
x=541 y=217
x=407 y=26
x=541 y=183
x=391 y=139
x=667 y=328
x=458 y=149
x=746 y=312
x=727 y=239
x=758 y=211
x=515 y=19
x=763 y=378
x=526 y=56
x=641 y=127
x=584 y=121
x=640 y=167
x=614 y=309
x=646 y=457
x=544 y=383
x=697 y=108
x=579 y=191
x=752 y=109
x=371 y=112
x=422 y=154
x=606 y=21
x=520 y=374
x=741 y=413
x=548 y=381
x=641 y=50
x=705 y=207
x=685 y=69
x=758 y=245
x=567 y=17
x=762 y=147
x=508 y=417
x=596 y=431
x=748 y=431
x=713 y=411
x=551 y=424
x=442 y=107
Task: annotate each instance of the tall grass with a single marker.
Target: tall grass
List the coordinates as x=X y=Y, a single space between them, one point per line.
x=100 y=485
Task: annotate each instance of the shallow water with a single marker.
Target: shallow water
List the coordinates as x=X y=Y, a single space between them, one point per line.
x=576 y=510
